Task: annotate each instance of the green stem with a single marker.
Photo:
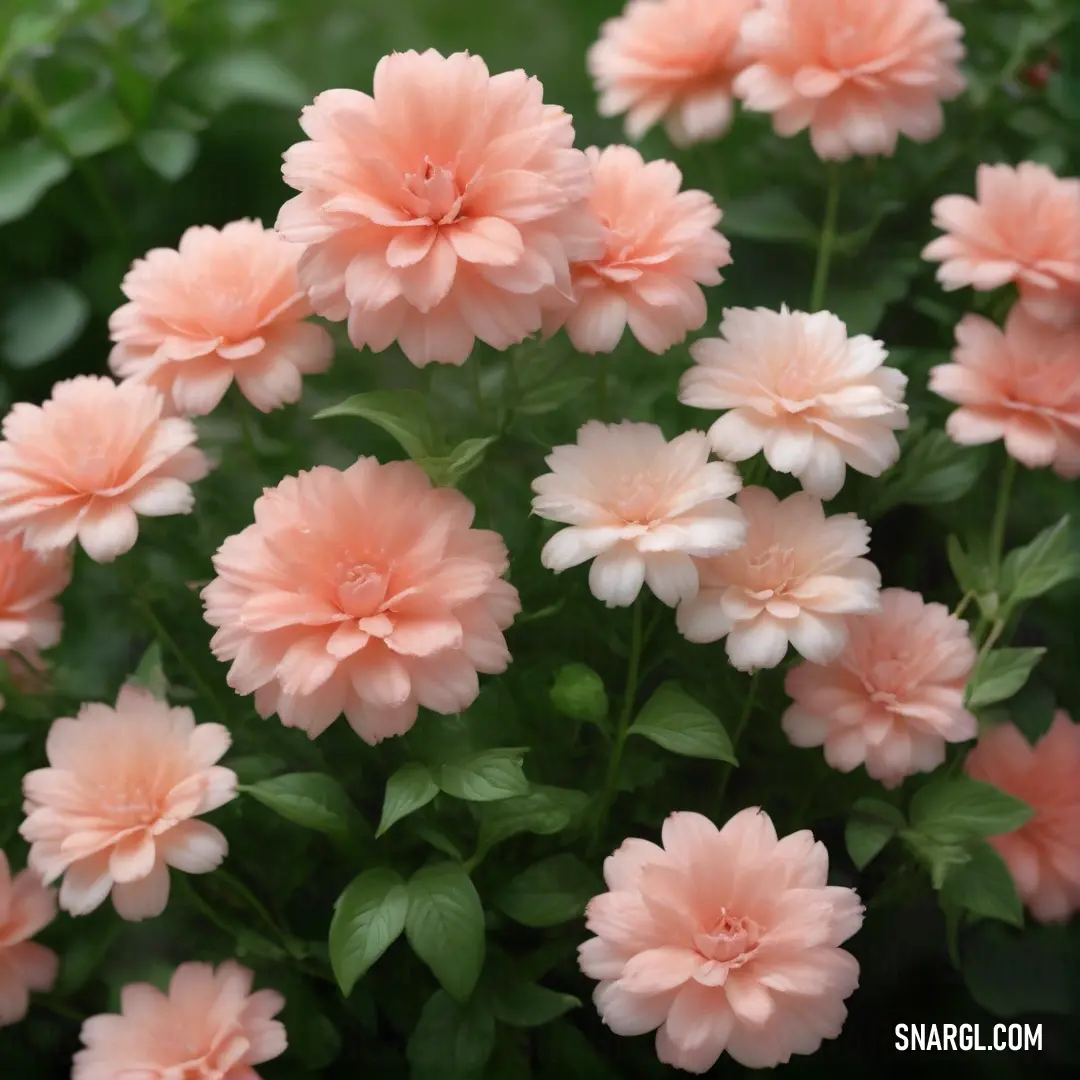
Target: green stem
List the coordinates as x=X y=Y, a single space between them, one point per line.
x=965 y=600
x=243 y=420
x=60 y=1009
x=828 y=239
x=1001 y=513
x=601 y=385
x=744 y=719
x=478 y=390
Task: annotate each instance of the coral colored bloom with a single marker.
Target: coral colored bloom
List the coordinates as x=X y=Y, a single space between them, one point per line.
x=116 y=807
x=227 y=305
x=1043 y=855
x=661 y=246
x=640 y=508
x=894 y=697
x=1021 y=385
x=857 y=73
x=26 y=907
x=365 y=592
x=799 y=388
x=723 y=939
x=30 y=618
x=443 y=208
x=794 y=580
x=1023 y=226
x=209 y=1026
x=89 y=460
x=671 y=60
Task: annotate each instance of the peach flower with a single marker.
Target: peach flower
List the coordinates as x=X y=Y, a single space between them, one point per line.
x=798 y=387
x=894 y=697
x=209 y=1026
x=88 y=461
x=365 y=592
x=794 y=580
x=661 y=246
x=1043 y=855
x=639 y=507
x=26 y=907
x=227 y=305
x=116 y=807
x=441 y=209
x=30 y=618
x=671 y=60
x=1023 y=226
x=1021 y=385
x=723 y=939
x=857 y=73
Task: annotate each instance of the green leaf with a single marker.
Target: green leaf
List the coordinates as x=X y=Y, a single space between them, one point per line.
x=438 y=840
x=170 y=152
x=404 y=414
x=409 y=789
x=551 y=892
x=149 y=673
x=445 y=926
x=544 y=811
x=451 y=1040
x=1000 y=674
x=932 y=470
x=983 y=885
x=1032 y=710
x=253 y=767
x=41 y=322
x=770 y=215
x=314 y=800
x=29 y=32
x=579 y=693
x=524 y=1004
x=1048 y=561
x=940 y=856
x=485 y=777
x=449 y=471
x=959 y=807
x=671 y=718
x=970 y=576
x=870 y=827
x=553 y=394
x=368 y=918
x=27 y=170
x=90 y=124
x=246 y=75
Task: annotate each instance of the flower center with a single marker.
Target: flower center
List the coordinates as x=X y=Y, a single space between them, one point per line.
x=435 y=193
x=770 y=573
x=362 y=591
x=732 y=940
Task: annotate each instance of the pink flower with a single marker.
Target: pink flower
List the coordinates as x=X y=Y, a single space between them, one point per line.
x=724 y=939
x=364 y=592
x=794 y=580
x=26 y=907
x=88 y=461
x=857 y=73
x=661 y=246
x=799 y=388
x=209 y=1026
x=894 y=697
x=116 y=807
x=639 y=507
x=671 y=60
x=1023 y=227
x=227 y=305
x=1021 y=385
x=1043 y=855
x=30 y=618
x=442 y=209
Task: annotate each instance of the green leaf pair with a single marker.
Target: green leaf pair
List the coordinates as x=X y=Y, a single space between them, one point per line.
x=671 y=718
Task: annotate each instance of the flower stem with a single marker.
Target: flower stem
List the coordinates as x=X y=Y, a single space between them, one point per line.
x=828 y=238
x=1001 y=513
x=478 y=390
x=601 y=385
x=744 y=719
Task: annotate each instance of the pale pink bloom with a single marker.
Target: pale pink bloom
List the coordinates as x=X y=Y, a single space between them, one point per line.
x=365 y=592
x=797 y=387
x=443 y=208
x=894 y=697
x=671 y=60
x=227 y=305
x=89 y=460
x=117 y=806
x=26 y=907
x=723 y=939
x=209 y=1026
x=30 y=618
x=1043 y=855
x=1023 y=226
x=794 y=580
x=639 y=507
x=857 y=73
x=1021 y=385
x=661 y=246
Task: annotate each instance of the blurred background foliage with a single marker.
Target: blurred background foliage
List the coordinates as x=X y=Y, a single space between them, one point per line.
x=122 y=122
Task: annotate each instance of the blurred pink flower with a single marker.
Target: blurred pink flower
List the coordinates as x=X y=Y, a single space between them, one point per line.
x=209 y=1026
x=88 y=461
x=1043 y=855
x=1021 y=385
x=661 y=246
x=226 y=305
x=1023 y=226
x=639 y=507
x=30 y=618
x=857 y=73
x=894 y=697
x=26 y=907
x=441 y=209
x=365 y=592
x=116 y=807
x=671 y=60
x=799 y=388
x=724 y=939
x=794 y=580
